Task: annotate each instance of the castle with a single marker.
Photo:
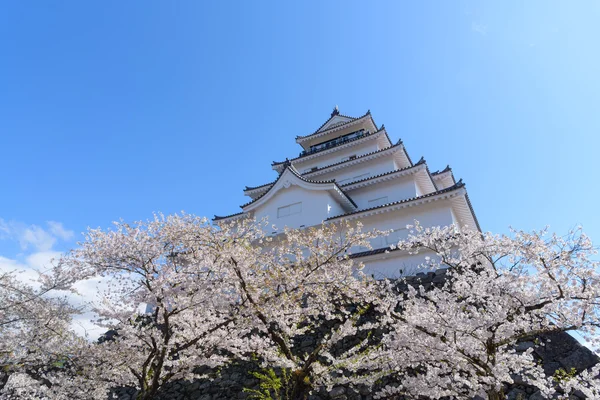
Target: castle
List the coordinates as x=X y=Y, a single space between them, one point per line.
x=349 y=169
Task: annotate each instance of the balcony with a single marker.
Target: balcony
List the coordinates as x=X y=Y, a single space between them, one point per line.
x=335 y=142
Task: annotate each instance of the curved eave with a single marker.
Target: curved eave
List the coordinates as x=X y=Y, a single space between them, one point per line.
x=386 y=176
x=365 y=157
x=304 y=139
x=229 y=218
x=447 y=169
x=444 y=177
x=256 y=191
x=450 y=192
x=330 y=185
x=278 y=165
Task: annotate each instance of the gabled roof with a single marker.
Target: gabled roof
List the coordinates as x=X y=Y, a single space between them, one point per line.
x=335 y=116
x=321 y=131
x=336 y=119
x=291 y=173
x=421 y=161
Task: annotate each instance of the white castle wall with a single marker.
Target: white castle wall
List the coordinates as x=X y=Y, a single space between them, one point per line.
x=314 y=208
x=430 y=215
x=396 y=265
x=337 y=156
x=398 y=189
x=373 y=167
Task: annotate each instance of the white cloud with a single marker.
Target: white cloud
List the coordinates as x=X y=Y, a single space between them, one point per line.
x=83 y=326
x=38 y=245
x=34 y=236
x=23 y=271
x=479 y=28
x=4 y=229
x=57 y=229
x=43 y=260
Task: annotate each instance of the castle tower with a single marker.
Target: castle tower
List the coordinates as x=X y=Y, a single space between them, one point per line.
x=349 y=169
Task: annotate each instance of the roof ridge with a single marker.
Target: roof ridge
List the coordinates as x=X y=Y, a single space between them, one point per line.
x=438 y=172
x=294 y=171
x=330 y=118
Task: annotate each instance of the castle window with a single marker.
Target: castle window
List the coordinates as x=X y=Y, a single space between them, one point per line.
x=292 y=209
x=378 y=202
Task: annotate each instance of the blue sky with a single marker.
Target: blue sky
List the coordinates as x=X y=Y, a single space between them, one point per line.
x=114 y=109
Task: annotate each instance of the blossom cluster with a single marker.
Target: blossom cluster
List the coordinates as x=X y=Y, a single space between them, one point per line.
x=215 y=294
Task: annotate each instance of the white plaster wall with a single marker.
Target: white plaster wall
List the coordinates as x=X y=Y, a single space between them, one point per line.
x=396 y=265
x=398 y=189
x=428 y=215
x=314 y=207
x=337 y=156
x=374 y=167
x=420 y=190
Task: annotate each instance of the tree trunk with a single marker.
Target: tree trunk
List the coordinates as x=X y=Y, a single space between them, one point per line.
x=301 y=388
x=496 y=395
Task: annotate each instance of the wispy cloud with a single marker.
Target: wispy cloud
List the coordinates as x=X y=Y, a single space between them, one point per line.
x=479 y=28
x=37 y=244
x=57 y=229
x=34 y=236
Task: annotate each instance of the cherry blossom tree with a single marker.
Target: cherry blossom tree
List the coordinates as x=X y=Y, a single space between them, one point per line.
x=299 y=304
x=216 y=291
x=34 y=322
x=301 y=284
x=458 y=339
x=168 y=264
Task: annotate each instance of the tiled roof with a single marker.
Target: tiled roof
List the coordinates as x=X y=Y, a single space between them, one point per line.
x=399 y=143
x=341 y=144
x=295 y=172
x=445 y=170
x=438 y=172
x=458 y=185
x=421 y=161
x=352 y=119
x=217 y=217
x=257 y=187
x=473 y=212
x=373 y=252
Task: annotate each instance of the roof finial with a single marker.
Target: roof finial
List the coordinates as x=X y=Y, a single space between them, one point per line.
x=335 y=111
